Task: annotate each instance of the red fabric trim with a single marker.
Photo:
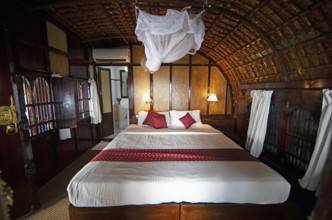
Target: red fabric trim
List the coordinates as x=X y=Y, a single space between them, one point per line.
x=152 y=155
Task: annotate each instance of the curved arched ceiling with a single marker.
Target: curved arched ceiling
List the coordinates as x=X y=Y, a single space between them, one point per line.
x=253 y=41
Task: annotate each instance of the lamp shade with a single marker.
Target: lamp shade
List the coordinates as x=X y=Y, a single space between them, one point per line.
x=212 y=98
x=147 y=98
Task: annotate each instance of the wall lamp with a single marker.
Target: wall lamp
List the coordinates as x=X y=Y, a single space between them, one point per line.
x=212 y=98
x=147 y=99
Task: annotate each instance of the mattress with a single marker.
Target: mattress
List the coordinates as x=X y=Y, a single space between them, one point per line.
x=104 y=183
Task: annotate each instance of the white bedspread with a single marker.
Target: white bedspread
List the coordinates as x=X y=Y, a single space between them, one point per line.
x=115 y=183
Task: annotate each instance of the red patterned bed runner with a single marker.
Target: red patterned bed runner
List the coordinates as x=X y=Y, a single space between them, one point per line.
x=152 y=155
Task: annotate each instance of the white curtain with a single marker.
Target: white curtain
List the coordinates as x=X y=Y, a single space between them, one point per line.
x=312 y=178
x=170 y=37
x=94 y=105
x=260 y=108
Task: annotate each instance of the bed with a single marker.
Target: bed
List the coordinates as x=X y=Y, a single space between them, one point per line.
x=176 y=172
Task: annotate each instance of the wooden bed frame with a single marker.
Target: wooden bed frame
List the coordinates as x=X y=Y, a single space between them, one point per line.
x=184 y=211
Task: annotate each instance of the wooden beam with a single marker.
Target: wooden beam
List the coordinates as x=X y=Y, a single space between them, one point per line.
x=261 y=33
x=55 y=3
x=305 y=84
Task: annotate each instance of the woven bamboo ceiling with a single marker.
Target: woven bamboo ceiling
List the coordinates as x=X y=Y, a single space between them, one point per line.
x=253 y=41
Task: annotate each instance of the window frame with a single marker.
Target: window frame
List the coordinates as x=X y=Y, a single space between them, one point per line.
x=271 y=138
x=83 y=99
x=300 y=137
x=39 y=105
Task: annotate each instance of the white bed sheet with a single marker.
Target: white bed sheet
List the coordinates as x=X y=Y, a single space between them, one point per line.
x=101 y=183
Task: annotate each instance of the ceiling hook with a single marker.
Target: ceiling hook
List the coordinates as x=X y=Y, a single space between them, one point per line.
x=206 y=6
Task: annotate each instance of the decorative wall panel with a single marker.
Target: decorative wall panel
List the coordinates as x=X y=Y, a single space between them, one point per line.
x=31 y=57
x=199 y=59
x=229 y=106
x=141 y=87
x=161 y=89
x=106 y=90
x=57 y=38
x=180 y=87
x=218 y=85
x=138 y=54
x=59 y=64
x=199 y=88
x=183 y=60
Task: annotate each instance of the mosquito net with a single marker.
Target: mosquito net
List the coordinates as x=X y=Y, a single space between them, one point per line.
x=169 y=37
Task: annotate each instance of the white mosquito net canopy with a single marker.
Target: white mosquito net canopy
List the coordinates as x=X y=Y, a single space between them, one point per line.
x=169 y=37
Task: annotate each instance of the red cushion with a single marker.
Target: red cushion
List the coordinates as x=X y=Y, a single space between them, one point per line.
x=187 y=120
x=149 y=118
x=159 y=121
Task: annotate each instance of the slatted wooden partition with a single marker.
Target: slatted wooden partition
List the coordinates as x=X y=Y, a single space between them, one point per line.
x=182 y=85
x=141 y=81
x=161 y=89
x=180 y=90
x=218 y=85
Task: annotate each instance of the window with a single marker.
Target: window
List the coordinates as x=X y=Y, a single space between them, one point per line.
x=39 y=105
x=300 y=139
x=53 y=105
x=271 y=138
x=83 y=99
x=124 y=83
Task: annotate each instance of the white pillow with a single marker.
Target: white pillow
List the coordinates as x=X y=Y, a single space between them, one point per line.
x=176 y=115
x=142 y=115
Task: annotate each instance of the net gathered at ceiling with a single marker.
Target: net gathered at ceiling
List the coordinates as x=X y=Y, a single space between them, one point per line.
x=170 y=37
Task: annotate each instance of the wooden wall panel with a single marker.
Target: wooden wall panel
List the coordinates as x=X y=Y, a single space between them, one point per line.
x=83 y=136
x=106 y=90
x=141 y=86
x=59 y=64
x=229 y=106
x=180 y=87
x=44 y=157
x=26 y=40
x=78 y=57
x=218 y=85
x=56 y=37
x=161 y=89
x=28 y=30
x=138 y=53
x=12 y=161
x=199 y=88
x=31 y=57
x=65 y=107
x=199 y=59
x=65 y=152
x=183 y=60
x=76 y=49
x=28 y=27
x=79 y=71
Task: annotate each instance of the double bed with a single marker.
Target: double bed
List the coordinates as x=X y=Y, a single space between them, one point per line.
x=176 y=173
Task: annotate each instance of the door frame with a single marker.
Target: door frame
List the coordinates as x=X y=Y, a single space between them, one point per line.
x=106 y=127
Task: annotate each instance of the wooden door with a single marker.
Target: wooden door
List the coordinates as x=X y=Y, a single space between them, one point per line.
x=104 y=84
x=16 y=160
